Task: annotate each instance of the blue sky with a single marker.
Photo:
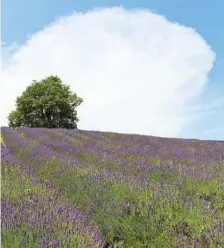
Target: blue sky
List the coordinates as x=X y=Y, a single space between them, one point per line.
x=21 y=19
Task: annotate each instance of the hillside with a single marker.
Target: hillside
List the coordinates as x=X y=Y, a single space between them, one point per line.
x=75 y=188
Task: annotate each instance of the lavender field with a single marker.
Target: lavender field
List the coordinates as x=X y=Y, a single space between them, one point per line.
x=74 y=188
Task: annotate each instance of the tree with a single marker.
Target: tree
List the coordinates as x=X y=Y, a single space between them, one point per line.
x=47 y=103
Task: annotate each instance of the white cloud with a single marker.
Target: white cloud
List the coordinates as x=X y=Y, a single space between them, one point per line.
x=136 y=70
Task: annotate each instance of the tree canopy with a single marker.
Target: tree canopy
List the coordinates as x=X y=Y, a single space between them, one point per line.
x=47 y=103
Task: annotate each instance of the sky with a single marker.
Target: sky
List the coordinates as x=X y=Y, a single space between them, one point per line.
x=150 y=67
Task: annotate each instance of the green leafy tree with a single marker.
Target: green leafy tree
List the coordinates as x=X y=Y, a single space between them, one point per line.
x=47 y=103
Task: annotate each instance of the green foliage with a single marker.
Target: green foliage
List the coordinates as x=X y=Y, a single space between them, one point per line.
x=47 y=103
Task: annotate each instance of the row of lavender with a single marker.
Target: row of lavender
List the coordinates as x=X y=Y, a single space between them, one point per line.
x=35 y=215
x=196 y=158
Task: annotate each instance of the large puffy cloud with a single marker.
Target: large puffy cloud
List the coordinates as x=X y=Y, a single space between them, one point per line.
x=136 y=70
